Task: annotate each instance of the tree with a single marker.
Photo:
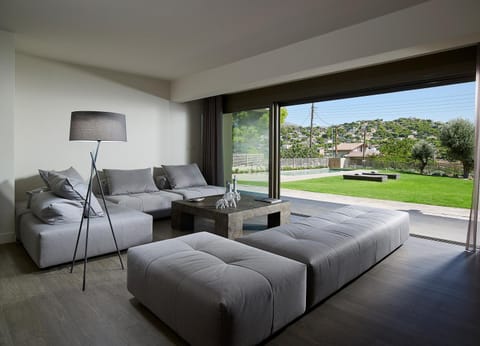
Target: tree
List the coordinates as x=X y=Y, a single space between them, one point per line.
x=250 y=130
x=423 y=151
x=298 y=150
x=398 y=150
x=458 y=137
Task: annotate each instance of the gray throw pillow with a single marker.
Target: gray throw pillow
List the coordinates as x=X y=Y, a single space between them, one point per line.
x=73 y=189
x=69 y=172
x=182 y=176
x=33 y=192
x=122 y=182
x=53 y=210
x=161 y=182
x=160 y=178
x=103 y=182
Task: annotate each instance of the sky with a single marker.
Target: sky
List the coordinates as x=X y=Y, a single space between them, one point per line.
x=441 y=103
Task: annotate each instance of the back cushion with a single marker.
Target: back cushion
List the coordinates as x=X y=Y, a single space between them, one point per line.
x=69 y=172
x=122 y=182
x=181 y=176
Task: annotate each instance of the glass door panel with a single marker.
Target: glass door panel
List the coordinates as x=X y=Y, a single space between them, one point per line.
x=246 y=149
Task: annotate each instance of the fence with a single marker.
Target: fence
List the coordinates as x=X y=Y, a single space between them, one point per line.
x=436 y=167
x=243 y=163
x=259 y=162
x=300 y=162
x=249 y=162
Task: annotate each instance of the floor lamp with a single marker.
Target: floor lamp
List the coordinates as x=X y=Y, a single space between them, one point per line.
x=93 y=126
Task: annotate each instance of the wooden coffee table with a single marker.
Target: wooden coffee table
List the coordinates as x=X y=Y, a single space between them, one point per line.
x=228 y=221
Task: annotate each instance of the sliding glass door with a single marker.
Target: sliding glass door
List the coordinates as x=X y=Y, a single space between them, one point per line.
x=246 y=149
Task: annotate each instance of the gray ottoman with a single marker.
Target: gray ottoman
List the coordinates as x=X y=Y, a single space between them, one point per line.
x=336 y=247
x=215 y=291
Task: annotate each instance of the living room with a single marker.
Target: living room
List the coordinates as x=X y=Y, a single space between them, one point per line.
x=58 y=58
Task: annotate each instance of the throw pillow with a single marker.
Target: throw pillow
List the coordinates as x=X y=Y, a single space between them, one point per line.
x=181 y=176
x=53 y=210
x=33 y=192
x=161 y=179
x=161 y=182
x=69 y=172
x=103 y=182
x=121 y=182
x=73 y=189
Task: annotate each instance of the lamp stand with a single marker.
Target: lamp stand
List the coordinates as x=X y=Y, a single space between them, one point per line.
x=87 y=207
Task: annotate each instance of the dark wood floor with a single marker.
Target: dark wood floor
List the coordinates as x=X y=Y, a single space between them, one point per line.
x=426 y=293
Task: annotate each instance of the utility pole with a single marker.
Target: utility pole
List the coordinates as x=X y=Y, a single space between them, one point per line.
x=311 y=124
x=335 y=140
x=364 y=145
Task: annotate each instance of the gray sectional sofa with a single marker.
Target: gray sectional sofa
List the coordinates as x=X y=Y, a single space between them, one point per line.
x=208 y=289
x=48 y=226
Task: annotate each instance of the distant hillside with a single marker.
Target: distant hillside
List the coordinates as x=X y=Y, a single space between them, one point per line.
x=377 y=132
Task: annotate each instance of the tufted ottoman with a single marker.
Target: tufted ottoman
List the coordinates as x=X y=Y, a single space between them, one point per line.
x=337 y=246
x=215 y=291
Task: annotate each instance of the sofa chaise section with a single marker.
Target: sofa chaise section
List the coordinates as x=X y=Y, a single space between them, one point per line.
x=337 y=246
x=215 y=291
x=50 y=245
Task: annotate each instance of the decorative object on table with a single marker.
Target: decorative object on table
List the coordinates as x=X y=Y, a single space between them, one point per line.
x=94 y=126
x=228 y=199
x=235 y=191
x=268 y=200
x=229 y=196
x=197 y=199
x=221 y=204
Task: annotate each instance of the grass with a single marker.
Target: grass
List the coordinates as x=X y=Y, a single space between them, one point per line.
x=412 y=188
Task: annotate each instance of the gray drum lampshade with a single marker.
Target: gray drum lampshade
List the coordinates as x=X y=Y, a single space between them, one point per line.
x=98 y=126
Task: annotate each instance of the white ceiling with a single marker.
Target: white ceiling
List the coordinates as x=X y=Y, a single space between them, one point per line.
x=172 y=39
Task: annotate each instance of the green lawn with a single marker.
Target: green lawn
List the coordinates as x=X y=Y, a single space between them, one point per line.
x=413 y=188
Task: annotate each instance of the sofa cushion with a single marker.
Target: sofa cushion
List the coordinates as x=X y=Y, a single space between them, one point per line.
x=122 y=182
x=52 y=209
x=181 y=176
x=200 y=191
x=73 y=189
x=69 y=172
x=33 y=192
x=146 y=202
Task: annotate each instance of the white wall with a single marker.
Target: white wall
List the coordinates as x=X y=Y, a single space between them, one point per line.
x=158 y=131
x=7 y=169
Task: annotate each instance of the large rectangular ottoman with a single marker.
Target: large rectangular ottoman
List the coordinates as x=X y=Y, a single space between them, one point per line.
x=337 y=246
x=50 y=245
x=215 y=291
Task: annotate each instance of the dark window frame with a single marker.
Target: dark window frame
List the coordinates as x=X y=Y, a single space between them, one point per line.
x=444 y=68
